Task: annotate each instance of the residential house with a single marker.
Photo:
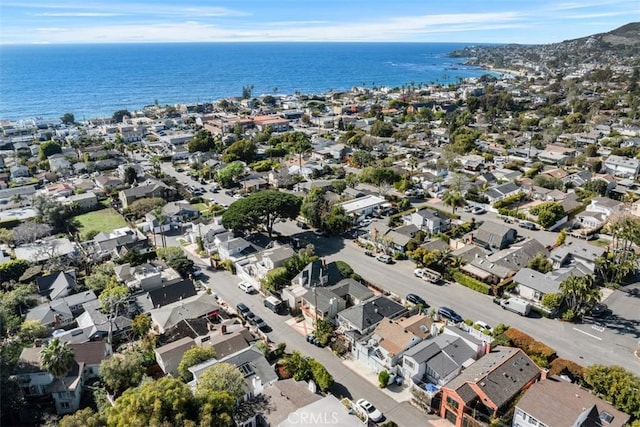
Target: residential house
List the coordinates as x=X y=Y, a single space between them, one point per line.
x=146 y=276
x=533 y=285
x=389 y=239
x=598 y=212
x=167 y=294
x=327 y=408
x=494 y=236
x=278 y=403
x=255 y=267
x=46 y=249
x=59 y=164
x=501 y=265
x=555 y=402
x=169 y=356
x=107 y=182
x=472 y=162
x=83 y=201
x=151 y=189
x=362 y=318
x=93 y=324
x=37 y=384
x=277 y=123
x=486 y=389
x=556 y=154
x=383 y=348
x=363 y=206
x=122 y=170
x=318 y=273
x=55 y=314
x=56 y=285
x=179 y=212
x=107 y=245
x=256 y=370
x=325 y=302
x=439 y=359
x=502 y=191
x=622 y=166
x=193 y=307
x=576 y=252
x=428 y=220
x=233 y=248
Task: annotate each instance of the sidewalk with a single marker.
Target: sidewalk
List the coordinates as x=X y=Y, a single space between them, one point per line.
x=399 y=393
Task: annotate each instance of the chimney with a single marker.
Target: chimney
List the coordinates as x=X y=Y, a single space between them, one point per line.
x=223 y=329
x=543 y=374
x=257 y=386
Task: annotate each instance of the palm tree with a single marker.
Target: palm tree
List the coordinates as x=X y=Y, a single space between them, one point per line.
x=453 y=199
x=160 y=217
x=301 y=146
x=57 y=358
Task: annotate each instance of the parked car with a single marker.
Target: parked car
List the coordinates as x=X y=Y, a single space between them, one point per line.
x=600 y=310
x=302 y=225
x=274 y=304
x=528 y=225
x=246 y=287
x=482 y=326
x=449 y=314
x=243 y=310
x=374 y=414
x=384 y=258
x=417 y=300
x=368 y=253
x=365 y=222
x=260 y=324
x=478 y=210
x=467 y=208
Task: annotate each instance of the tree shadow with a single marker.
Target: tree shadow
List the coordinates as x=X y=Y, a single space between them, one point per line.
x=340 y=391
x=324 y=245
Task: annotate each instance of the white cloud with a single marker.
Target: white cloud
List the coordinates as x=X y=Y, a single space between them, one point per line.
x=79 y=14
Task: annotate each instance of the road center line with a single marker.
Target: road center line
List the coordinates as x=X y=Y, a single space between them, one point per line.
x=587 y=333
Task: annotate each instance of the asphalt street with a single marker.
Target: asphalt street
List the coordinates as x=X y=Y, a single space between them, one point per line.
x=348 y=383
x=585 y=343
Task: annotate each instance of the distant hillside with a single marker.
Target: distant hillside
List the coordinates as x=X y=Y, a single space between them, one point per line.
x=620 y=46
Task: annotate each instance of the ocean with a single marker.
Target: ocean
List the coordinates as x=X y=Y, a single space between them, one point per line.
x=47 y=81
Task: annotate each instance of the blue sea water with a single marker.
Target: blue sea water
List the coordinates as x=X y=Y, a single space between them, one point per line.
x=95 y=80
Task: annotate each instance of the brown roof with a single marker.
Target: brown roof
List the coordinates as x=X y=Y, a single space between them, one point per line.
x=394 y=338
x=414 y=325
x=500 y=374
x=229 y=343
x=555 y=402
x=90 y=353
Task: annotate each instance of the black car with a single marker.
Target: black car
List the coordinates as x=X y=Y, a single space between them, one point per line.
x=449 y=314
x=417 y=300
x=260 y=324
x=600 y=310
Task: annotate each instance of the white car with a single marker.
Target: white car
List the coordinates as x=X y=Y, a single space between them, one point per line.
x=374 y=414
x=482 y=326
x=246 y=287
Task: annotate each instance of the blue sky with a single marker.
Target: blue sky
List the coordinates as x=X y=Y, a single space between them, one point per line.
x=469 y=21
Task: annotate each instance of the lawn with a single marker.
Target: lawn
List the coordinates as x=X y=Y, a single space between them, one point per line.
x=102 y=220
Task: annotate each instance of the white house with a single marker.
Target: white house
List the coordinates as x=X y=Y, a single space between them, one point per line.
x=622 y=166
x=362 y=206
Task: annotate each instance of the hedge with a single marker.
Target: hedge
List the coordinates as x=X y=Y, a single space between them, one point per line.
x=562 y=366
x=530 y=346
x=471 y=283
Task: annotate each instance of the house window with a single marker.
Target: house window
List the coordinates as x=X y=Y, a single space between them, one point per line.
x=64 y=405
x=409 y=364
x=452 y=403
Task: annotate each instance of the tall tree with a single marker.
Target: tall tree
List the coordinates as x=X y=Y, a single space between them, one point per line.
x=579 y=293
x=300 y=146
x=122 y=371
x=130 y=175
x=57 y=358
x=192 y=357
x=222 y=377
x=261 y=209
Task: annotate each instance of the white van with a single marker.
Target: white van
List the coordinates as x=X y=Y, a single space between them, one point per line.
x=516 y=305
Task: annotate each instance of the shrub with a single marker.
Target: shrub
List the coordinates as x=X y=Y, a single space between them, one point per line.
x=510 y=200
x=399 y=256
x=228 y=265
x=383 y=379
x=344 y=268
x=541 y=353
x=471 y=283
x=569 y=316
x=469 y=322
x=562 y=366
